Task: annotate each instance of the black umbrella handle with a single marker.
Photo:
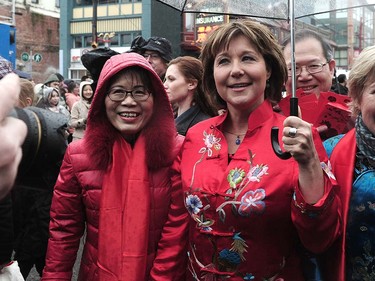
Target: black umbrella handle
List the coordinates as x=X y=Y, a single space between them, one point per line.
x=275 y=132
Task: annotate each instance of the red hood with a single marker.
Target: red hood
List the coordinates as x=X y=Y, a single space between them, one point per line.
x=160 y=132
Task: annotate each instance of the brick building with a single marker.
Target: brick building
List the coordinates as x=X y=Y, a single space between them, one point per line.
x=37 y=34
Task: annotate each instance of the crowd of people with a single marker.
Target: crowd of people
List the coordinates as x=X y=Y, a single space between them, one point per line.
x=167 y=171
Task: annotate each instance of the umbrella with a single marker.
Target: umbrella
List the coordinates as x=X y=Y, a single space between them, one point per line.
x=275 y=10
x=270 y=9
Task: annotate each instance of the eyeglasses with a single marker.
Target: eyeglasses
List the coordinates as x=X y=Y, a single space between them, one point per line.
x=312 y=68
x=138 y=94
x=152 y=56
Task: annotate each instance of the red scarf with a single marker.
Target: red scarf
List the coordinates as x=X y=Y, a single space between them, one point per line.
x=124 y=215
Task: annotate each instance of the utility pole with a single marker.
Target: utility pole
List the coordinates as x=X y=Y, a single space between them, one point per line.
x=94 y=43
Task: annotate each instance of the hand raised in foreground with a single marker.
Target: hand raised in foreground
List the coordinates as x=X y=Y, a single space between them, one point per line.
x=299 y=142
x=12 y=132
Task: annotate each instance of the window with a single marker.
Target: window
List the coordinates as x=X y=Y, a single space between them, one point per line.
x=57 y=3
x=76 y=74
x=108 y=1
x=126 y=39
x=35 y=1
x=77 y=41
x=89 y=2
x=341 y=58
x=114 y=41
x=87 y=41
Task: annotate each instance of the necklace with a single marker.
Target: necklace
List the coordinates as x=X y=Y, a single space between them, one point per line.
x=238 y=140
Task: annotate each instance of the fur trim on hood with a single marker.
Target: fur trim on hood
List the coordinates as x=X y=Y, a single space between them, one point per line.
x=160 y=132
x=81 y=85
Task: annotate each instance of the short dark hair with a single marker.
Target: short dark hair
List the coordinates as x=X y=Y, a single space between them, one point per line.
x=341 y=78
x=301 y=35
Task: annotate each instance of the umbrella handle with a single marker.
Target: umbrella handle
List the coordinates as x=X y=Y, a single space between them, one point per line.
x=275 y=132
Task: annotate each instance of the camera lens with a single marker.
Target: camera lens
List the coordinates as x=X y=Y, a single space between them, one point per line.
x=45 y=143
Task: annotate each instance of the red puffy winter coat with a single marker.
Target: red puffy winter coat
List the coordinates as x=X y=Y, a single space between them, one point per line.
x=76 y=200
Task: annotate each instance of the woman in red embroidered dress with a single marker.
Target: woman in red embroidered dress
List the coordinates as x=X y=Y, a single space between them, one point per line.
x=116 y=182
x=248 y=208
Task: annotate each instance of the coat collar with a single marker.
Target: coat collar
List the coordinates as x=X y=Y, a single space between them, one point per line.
x=256 y=119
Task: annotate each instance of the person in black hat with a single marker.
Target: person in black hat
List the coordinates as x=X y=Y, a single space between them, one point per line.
x=158 y=52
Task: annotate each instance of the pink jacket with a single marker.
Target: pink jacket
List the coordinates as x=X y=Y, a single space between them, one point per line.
x=76 y=201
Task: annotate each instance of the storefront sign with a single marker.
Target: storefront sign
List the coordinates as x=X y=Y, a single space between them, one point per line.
x=205 y=23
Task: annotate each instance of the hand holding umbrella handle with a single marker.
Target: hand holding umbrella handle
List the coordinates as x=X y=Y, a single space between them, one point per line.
x=275 y=132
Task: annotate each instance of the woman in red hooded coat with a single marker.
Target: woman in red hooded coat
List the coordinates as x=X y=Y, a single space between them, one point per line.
x=116 y=183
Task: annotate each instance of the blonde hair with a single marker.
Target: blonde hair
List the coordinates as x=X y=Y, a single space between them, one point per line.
x=27 y=92
x=360 y=76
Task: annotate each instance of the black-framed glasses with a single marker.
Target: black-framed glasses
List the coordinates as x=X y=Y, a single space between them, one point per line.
x=312 y=68
x=139 y=93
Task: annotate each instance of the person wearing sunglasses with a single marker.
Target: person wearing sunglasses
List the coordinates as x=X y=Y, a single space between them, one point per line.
x=117 y=183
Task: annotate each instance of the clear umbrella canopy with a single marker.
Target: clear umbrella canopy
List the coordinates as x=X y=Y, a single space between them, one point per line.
x=288 y=10
x=266 y=8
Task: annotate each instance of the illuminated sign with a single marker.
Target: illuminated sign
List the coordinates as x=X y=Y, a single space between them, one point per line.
x=205 y=23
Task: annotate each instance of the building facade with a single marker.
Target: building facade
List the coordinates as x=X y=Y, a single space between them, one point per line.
x=117 y=23
x=352 y=30
x=36 y=25
x=347 y=30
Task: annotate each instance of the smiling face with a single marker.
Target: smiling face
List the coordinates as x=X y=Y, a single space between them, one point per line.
x=240 y=74
x=309 y=51
x=128 y=116
x=54 y=98
x=87 y=92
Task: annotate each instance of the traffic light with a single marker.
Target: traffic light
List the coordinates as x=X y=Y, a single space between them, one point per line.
x=94 y=45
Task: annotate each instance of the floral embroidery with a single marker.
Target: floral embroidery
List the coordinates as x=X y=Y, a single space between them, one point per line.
x=235 y=176
x=328 y=169
x=371 y=205
x=212 y=147
x=244 y=201
x=203 y=222
x=210 y=142
x=360 y=208
x=239 y=246
x=255 y=173
x=251 y=201
x=363 y=266
x=229 y=259
x=193 y=204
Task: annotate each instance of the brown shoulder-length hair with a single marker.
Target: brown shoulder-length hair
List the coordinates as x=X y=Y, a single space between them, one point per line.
x=265 y=42
x=192 y=70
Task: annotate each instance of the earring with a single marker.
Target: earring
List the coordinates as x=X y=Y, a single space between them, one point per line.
x=268 y=83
